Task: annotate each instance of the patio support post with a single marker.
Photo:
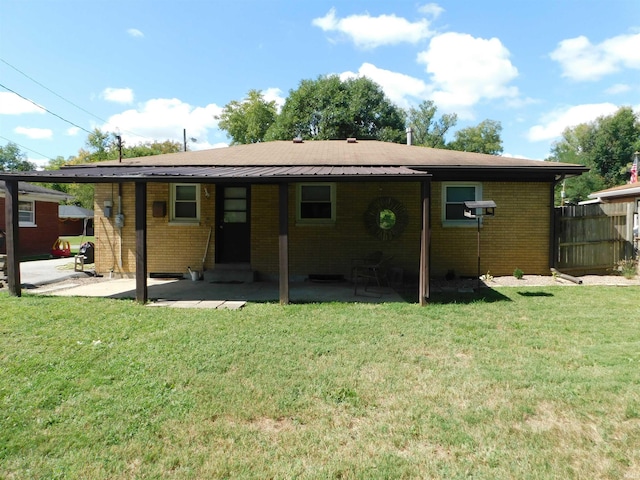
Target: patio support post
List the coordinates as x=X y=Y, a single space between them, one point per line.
x=425 y=246
x=283 y=243
x=141 y=243
x=12 y=237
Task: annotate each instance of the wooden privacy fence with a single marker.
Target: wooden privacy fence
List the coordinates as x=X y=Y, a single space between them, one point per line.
x=593 y=238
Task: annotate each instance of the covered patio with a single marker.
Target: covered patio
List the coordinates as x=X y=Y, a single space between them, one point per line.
x=142 y=288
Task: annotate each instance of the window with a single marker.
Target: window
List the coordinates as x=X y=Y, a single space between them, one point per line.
x=316 y=203
x=453 y=197
x=185 y=203
x=26 y=213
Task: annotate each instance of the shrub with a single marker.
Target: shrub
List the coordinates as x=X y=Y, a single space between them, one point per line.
x=518 y=273
x=627 y=267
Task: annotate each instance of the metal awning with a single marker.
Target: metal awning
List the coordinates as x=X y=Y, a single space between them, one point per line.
x=257 y=174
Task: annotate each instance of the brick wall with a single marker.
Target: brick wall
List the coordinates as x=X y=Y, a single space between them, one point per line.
x=330 y=249
x=39 y=239
x=171 y=248
x=518 y=236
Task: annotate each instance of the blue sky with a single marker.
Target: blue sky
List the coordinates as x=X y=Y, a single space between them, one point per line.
x=152 y=68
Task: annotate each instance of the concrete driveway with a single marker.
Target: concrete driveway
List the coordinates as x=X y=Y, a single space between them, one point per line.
x=43 y=272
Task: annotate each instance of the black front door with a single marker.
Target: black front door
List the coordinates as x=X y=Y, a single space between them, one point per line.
x=232 y=224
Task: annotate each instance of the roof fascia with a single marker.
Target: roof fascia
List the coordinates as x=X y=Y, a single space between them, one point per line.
x=629 y=192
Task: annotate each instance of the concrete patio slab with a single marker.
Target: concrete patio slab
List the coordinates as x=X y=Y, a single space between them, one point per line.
x=202 y=294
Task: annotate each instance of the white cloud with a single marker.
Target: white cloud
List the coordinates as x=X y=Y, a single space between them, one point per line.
x=617 y=89
x=401 y=89
x=12 y=104
x=206 y=145
x=370 y=32
x=515 y=155
x=34 y=133
x=466 y=70
x=554 y=123
x=72 y=131
x=274 y=95
x=40 y=163
x=431 y=9
x=118 y=95
x=164 y=119
x=135 y=33
x=583 y=61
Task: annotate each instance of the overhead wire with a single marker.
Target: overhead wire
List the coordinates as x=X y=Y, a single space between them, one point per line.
x=62 y=98
x=26 y=148
x=45 y=109
x=49 y=90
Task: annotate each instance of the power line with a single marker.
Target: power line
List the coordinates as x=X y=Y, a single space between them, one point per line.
x=46 y=110
x=49 y=90
x=26 y=148
x=62 y=98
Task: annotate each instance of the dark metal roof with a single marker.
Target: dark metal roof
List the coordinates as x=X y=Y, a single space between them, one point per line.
x=97 y=173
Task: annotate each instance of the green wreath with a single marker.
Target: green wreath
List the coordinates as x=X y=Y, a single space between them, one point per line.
x=386 y=218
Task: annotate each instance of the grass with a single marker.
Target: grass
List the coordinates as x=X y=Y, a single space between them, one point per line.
x=76 y=241
x=532 y=383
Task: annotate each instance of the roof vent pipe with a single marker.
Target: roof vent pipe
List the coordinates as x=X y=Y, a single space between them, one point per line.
x=297 y=140
x=352 y=140
x=409 y=136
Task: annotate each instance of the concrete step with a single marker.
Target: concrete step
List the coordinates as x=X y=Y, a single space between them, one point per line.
x=230 y=273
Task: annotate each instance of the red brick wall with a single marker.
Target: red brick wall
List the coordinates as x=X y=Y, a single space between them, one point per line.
x=36 y=240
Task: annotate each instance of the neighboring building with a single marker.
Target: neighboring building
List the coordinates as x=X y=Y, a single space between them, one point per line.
x=38 y=218
x=310 y=208
x=75 y=221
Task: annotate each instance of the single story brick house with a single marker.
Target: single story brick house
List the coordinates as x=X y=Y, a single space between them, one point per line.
x=37 y=218
x=294 y=209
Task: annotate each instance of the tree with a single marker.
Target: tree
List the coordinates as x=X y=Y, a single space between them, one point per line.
x=103 y=146
x=616 y=138
x=14 y=160
x=247 y=121
x=605 y=145
x=427 y=131
x=330 y=108
x=483 y=138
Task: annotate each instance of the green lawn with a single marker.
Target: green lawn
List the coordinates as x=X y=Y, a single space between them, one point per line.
x=531 y=383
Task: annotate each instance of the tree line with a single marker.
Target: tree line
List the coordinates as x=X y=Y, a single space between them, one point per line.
x=100 y=146
x=605 y=145
x=329 y=108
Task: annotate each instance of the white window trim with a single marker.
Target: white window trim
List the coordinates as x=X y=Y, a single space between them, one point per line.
x=315 y=221
x=172 y=205
x=459 y=223
x=33 y=213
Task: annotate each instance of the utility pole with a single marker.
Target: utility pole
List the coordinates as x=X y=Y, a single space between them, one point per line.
x=119 y=148
x=184 y=137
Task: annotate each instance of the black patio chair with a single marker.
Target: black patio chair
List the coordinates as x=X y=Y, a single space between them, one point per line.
x=371 y=268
